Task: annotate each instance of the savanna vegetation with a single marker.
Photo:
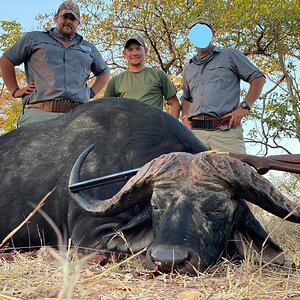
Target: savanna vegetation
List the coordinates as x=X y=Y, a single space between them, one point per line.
x=268 y=32
x=64 y=274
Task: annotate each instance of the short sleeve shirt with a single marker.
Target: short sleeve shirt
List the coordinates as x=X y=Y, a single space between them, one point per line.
x=149 y=85
x=214 y=87
x=58 y=72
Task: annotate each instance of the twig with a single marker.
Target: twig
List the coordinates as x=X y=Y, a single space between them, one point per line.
x=12 y=233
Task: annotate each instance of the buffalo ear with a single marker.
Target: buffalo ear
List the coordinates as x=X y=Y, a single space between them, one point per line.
x=250 y=237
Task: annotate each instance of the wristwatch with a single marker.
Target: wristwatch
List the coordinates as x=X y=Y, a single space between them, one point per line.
x=92 y=94
x=245 y=105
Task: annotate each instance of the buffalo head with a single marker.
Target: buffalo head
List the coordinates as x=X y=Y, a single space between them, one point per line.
x=196 y=206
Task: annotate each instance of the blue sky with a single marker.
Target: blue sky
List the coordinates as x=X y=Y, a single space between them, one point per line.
x=24 y=11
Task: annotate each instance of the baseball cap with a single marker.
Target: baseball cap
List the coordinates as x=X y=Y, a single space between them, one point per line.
x=202 y=20
x=69 y=7
x=135 y=38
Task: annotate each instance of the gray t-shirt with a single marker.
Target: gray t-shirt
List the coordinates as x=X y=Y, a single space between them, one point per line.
x=58 y=72
x=214 y=87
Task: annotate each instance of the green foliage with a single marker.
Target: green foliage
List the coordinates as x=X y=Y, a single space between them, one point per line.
x=10 y=108
x=158 y=22
x=12 y=114
x=12 y=32
x=289 y=184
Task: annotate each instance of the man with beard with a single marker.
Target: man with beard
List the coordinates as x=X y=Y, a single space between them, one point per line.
x=140 y=82
x=58 y=63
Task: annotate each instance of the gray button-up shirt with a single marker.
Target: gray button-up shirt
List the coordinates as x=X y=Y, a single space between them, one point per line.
x=58 y=72
x=214 y=87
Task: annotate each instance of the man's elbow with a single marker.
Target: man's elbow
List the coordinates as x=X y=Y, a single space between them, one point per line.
x=106 y=76
x=261 y=80
x=5 y=62
x=173 y=101
x=2 y=61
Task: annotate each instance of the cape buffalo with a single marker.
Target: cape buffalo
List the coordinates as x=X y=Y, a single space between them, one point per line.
x=187 y=209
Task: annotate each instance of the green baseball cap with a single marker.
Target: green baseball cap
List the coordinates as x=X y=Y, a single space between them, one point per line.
x=202 y=20
x=134 y=38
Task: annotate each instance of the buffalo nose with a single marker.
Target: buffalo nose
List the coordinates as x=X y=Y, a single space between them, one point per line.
x=169 y=254
x=169 y=258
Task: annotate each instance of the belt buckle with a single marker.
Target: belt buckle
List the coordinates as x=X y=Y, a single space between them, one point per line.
x=223 y=127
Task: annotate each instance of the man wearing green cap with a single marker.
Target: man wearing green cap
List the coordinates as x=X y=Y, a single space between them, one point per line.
x=140 y=82
x=210 y=101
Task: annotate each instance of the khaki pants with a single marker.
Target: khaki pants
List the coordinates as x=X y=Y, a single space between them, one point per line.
x=225 y=141
x=31 y=115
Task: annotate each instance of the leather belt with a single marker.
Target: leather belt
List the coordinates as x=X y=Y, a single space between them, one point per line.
x=62 y=106
x=208 y=123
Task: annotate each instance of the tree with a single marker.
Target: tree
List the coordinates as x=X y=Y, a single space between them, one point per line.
x=271 y=37
x=266 y=31
x=10 y=107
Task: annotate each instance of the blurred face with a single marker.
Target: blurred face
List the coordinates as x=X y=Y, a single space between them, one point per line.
x=66 y=24
x=201 y=36
x=135 y=54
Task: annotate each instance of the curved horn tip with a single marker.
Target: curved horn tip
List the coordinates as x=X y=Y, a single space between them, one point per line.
x=74 y=175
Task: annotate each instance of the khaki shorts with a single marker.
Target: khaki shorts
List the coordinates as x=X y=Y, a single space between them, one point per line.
x=31 y=115
x=231 y=140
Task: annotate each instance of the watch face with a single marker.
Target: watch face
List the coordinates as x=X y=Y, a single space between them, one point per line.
x=92 y=94
x=245 y=105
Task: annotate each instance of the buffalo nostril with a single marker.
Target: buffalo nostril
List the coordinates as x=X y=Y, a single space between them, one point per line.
x=168 y=258
x=169 y=254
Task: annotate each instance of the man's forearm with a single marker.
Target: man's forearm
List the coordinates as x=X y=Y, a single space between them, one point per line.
x=255 y=90
x=175 y=106
x=185 y=108
x=100 y=82
x=8 y=74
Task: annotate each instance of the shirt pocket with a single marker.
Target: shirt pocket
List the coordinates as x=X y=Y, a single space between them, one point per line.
x=84 y=57
x=213 y=74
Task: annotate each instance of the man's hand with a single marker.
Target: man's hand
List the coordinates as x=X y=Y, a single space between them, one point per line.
x=27 y=90
x=186 y=122
x=236 y=117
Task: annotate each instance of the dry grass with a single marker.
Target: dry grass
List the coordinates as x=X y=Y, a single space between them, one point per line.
x=50 y=274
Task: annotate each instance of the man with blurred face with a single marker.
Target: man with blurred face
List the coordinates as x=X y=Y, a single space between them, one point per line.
x=141 y=82
x=210 y=101
x=58 y=63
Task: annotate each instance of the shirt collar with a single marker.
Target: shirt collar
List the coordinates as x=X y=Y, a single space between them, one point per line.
x=196 y=60
x=78 y=37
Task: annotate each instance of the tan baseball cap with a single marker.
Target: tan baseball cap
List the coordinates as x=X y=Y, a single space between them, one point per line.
x=202 y=20
x=135 y=38
x=69 y=7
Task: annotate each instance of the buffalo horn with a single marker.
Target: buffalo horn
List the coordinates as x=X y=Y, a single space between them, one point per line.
x=134 y=191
